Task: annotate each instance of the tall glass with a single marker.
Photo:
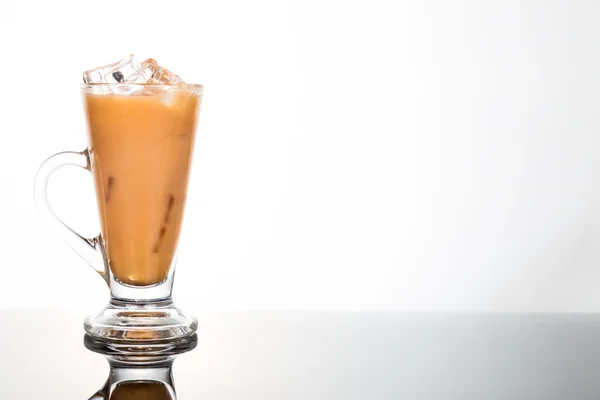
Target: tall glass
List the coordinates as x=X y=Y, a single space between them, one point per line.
x=141 y=140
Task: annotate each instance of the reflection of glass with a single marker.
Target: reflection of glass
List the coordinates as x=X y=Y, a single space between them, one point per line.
x=139 y=372
x=140 y=149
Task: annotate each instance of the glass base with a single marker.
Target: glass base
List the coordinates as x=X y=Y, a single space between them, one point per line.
x=137 y=321
x=141 y=353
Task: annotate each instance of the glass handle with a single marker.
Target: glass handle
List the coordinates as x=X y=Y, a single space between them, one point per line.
x=91 y=250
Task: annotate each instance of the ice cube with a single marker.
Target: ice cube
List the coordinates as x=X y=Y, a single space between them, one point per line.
x=127 y=70
x=178 y=97
x=159 y=75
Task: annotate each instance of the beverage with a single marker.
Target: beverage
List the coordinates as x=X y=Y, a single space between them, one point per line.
x=140 y=152
x=141 y=390
x=141 y=120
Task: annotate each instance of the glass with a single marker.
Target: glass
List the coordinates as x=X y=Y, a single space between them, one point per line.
x=141 y=140
x=139 y=372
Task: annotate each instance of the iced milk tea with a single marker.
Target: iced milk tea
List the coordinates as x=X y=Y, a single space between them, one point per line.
x=140 y=151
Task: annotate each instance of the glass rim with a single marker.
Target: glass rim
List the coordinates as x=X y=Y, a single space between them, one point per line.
x=92 y=85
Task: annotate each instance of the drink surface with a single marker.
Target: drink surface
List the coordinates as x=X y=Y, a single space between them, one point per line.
x=140 y=150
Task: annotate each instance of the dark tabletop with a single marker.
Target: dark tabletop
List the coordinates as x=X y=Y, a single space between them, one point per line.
x=305 y=355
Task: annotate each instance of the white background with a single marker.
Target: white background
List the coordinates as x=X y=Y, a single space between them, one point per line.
x=356 y=155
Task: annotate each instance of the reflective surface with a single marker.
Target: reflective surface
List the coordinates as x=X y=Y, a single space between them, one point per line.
x=139 y=371
x=330 y=356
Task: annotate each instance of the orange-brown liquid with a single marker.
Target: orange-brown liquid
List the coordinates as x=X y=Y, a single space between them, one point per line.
x=140 y=149
x=141 y=390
